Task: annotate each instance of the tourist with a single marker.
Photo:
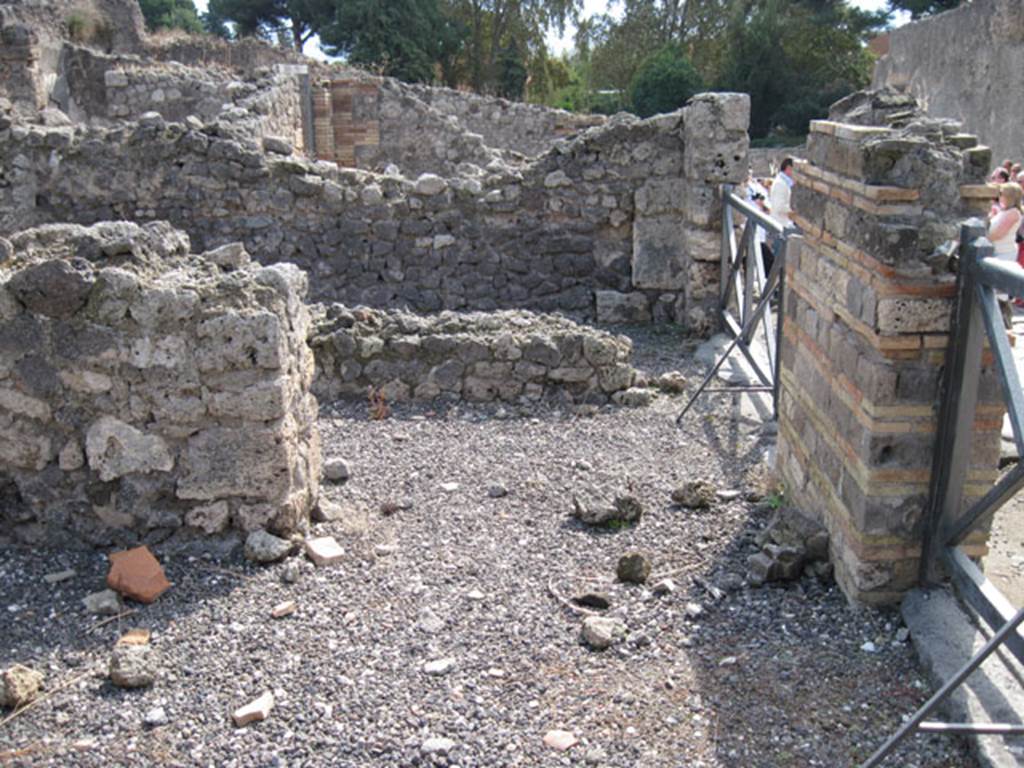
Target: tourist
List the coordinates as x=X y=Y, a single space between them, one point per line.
x=1002 y=233
x=1000 y=175
x=1015 y=170
x=1004 y=223
x=781 y=194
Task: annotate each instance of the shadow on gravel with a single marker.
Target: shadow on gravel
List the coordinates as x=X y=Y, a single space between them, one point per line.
x=46 y=624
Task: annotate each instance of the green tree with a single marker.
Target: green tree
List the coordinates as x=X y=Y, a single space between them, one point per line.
x=171 y=14
x=919 y=8
x=796 y=57
x=492 y=25
x=664 y=81
x=406 y=39
x=264 y=18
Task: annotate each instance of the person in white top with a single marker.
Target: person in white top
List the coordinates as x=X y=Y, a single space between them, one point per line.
x=1005 y=220
x=782 y=189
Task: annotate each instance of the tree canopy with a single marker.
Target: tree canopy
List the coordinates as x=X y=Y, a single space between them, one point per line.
x=919 y=8
x=170 y=14
x=794 y=57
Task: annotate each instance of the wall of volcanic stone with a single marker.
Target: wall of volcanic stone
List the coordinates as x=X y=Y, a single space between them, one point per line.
x=619 y=222
x=146 y=392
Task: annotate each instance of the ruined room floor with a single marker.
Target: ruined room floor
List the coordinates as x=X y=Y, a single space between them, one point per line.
x=774 y=676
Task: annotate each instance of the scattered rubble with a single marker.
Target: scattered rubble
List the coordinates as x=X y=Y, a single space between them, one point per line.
x=594 y=507
x=601 y=632
x=136 y=574
x=19 y=685
x=254 y=711
x=324 y=550
x=695 y=494
x=633 y=568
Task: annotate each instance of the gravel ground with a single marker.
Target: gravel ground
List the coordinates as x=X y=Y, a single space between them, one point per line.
x=774 y=676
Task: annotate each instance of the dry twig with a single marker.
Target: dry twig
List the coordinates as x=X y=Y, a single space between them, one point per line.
x=109 y=619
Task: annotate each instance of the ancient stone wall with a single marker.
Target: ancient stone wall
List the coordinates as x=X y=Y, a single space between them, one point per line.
x=628 y=211
x=867 y=304
x=528 y=129
x=104 y=87
x=964 y=64
x=144 y=391
x=473 y=356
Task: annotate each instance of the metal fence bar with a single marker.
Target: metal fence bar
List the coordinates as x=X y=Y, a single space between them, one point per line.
x=742 y=273
x=983 y=596
x=955 y=531
x=1012 y=394
x=952 y=684
x=959 y=399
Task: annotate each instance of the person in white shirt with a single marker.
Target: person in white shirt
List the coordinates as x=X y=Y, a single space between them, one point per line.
x=782 y=189
x=1004 y=222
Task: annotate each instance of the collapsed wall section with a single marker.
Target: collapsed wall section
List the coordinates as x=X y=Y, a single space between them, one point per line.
x=868 y=303
x=145 y=391
x=626 y=213
x=473 y=356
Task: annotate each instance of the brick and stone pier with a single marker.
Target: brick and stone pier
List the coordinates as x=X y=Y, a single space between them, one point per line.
x=868 y=303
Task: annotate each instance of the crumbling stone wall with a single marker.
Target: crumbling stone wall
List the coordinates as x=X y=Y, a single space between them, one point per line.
x=868 y=302
x=473 y=356
x=627 y=212
x=144 y=390
x=964 y=64
x=528 y=129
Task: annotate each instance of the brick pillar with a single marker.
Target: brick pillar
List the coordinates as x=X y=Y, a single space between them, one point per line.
x=323 y=126
x=868 y=309
x=356 y=123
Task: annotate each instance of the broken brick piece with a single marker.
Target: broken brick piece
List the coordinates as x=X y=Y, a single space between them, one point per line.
x=324 y=550
x=135 y=573
x=254 y=710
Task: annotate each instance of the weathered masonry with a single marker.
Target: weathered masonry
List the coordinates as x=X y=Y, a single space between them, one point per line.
x=145 y=390
x=618 y=223
x=868 y=303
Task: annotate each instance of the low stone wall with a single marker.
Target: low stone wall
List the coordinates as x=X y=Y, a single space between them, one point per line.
x=478 y=357
x=867 y=303
x=627 y=213
x=144 y=390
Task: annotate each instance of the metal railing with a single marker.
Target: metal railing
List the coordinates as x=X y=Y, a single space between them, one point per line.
x=743 y=281
x=977 y=318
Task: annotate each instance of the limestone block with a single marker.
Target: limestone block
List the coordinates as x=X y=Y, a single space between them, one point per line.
x=209 y=518
x=241 y=341
x=661 y=196
x=616 y=307
x=907 y=315
x=659 y=252
x=115 y=449
x=703 y=244
x=211 y=468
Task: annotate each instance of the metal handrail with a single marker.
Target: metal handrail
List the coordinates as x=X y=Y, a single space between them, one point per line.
x=755 y=213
